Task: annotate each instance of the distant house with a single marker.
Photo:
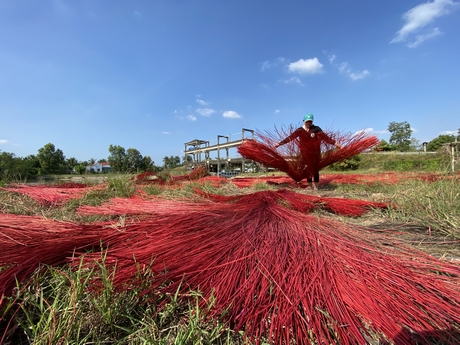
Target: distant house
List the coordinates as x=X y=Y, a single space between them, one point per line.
x=99 y=167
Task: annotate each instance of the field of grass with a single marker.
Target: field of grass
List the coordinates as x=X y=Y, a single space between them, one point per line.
x=58 y=306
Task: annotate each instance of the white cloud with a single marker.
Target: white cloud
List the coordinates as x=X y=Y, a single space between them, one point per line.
x=306 y=66
x=205 y=111
x=191 y=117
x=372 y=131
x=230 y=114
x=201 y=102
x=449 y=133
x=166 y=133
x=420 y=16
x=277 y=111
x=137 y=13
x=3 y=141
x=420 y=38
x=292 y=80
x=359 y=75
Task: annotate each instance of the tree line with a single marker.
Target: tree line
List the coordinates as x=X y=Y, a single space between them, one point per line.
x=401 y=139
x=50 y=160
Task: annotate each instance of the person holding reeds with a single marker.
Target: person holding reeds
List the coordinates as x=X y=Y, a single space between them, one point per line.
x=309 y=138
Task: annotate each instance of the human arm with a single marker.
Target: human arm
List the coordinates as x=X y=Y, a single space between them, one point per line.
x=291 y=137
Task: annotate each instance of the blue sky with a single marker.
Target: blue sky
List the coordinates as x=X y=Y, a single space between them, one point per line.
x=154 y=74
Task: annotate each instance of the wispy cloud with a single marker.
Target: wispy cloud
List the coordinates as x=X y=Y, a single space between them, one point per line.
x=230 y=114
x=292 y=80
x=277 y=111
x=270 y=64
x=137 y=13
x=372 y=131
x=205 y=111
x=306 y=66
x=457 y=132
x=359 y=75
x=344 y=68
x=3 y=141
x=420 y=16
x=191 y=117
x=166 y=133
x=201 y=102
x=420 y=38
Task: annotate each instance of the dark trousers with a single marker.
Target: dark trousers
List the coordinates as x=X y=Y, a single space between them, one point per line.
x=314 y=178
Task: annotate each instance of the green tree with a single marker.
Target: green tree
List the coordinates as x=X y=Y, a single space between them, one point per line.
x=171 y=162
x=400 y=135
x=134 y=160
x=383 y=146
x=16 y=168
x=166 y=162
x=148 y=164
x=52 y=160
x=436 y=143
x=71 y=163
x=117 y=158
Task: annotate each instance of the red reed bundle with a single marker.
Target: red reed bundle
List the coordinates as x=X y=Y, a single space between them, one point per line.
x=288 y=276
x=300 y=161
x=139 y=205
x=149 y=177
x=308 y=203
x=26 y=242
x=277 y=273
x=52 y=195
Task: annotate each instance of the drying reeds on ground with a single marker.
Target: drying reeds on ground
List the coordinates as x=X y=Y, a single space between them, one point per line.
x=270 y=264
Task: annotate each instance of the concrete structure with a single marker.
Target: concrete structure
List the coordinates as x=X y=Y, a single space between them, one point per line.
x=200 y=151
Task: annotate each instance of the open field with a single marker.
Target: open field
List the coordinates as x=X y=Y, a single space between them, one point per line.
x=91 y=279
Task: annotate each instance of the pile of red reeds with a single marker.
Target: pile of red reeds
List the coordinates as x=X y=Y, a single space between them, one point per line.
x=52 y=195
x=154 y=178
x=273 y=270
x=289 y=158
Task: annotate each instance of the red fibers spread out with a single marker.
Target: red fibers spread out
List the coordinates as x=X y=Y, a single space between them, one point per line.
x=276 y=270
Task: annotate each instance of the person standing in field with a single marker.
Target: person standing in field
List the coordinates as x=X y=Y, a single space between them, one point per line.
x=309 y=138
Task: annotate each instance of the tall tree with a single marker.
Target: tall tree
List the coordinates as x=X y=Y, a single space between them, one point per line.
x=133 y=160
x=117 y=158
x=52 y=160
x=171 y=162
x=400 y=135
x=71 y=163
x=148 y=164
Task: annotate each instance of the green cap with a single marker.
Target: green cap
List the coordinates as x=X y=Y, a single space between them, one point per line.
x=308 y=117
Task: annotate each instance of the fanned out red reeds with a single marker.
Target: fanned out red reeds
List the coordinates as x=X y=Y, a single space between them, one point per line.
x=52 y=195
x=307 y=203
x=277 y=273
x=367 y=179
x=26 y=242
x=289 y=158
x=287 y=276
x=137 y=205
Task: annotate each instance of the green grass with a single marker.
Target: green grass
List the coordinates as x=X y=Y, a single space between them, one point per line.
x=62 y=306
x=435 y=205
